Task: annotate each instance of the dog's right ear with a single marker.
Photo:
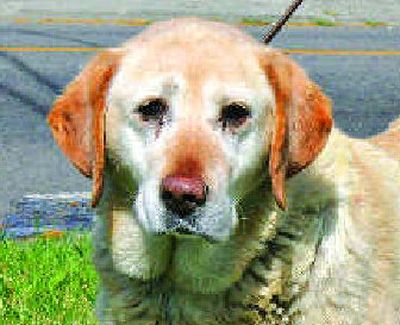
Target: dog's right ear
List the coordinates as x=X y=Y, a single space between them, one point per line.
x=77 y=117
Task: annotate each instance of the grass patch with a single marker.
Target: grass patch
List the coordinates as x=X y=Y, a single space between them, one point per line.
x=323 y=22
x=372 y=23
x=47 y=281
x=253 y=21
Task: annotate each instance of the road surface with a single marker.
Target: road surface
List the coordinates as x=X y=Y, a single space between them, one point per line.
x=37 y=61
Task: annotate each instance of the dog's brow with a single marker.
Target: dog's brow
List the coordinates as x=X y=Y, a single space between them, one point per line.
x=225 y=93
x=164 y=86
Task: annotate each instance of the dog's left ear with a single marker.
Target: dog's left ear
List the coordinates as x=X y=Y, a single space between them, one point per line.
x=77 y=118
x=303 y=120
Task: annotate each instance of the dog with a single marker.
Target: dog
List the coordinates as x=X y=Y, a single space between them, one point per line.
x=224 y=193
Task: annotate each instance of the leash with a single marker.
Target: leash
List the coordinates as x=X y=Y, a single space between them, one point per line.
x=277 y=26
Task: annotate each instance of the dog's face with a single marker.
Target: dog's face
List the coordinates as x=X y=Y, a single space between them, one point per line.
x=188 y=117
x=192 y=112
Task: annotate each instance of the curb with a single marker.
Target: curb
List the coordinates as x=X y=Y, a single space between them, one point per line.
x=47 y=214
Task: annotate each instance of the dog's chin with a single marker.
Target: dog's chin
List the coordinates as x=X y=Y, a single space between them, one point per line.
x=215 y=222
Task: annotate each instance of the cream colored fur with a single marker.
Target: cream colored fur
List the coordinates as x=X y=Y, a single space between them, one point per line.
x=331 y=258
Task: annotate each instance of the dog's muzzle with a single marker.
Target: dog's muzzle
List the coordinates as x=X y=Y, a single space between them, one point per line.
x=182 y=195
x=184 y=205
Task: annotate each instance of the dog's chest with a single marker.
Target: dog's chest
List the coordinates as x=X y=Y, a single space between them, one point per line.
x=247 y=303
x=187 y=281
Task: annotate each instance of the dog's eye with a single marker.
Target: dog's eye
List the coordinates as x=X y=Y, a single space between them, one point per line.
x=153 y=110
x=233 y=115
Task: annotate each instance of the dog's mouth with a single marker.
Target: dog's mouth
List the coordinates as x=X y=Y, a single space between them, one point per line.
x=183 y=232
x=197 y=224
x=187 y=227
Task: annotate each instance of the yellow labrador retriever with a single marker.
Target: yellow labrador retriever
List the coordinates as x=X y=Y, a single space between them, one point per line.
x=197 y=138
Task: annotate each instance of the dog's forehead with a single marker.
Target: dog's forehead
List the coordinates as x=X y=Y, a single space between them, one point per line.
x=194 y=49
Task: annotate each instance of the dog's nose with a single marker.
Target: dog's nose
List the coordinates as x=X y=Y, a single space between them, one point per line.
x=183 y=194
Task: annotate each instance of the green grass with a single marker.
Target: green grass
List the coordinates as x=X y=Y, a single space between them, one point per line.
x=253 y=21
x=323 y=22
x=47 y=281
x=372 y=23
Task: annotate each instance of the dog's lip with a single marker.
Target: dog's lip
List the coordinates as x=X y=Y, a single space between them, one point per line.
x=183 y=232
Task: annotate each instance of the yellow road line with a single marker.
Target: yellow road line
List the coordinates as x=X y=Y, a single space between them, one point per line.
x=49 y=49
x=289 y=51
x=342 y=52
x=85 y=21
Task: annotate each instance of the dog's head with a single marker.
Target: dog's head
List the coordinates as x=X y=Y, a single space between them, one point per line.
x=192 y=111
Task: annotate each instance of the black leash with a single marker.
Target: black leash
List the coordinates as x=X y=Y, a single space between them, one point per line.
x=277 y=26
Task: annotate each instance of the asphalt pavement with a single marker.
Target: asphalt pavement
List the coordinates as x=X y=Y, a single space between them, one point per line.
x=364 y=88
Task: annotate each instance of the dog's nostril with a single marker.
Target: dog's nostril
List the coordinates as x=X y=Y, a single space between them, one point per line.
x=166 y=195
x=189 y=198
